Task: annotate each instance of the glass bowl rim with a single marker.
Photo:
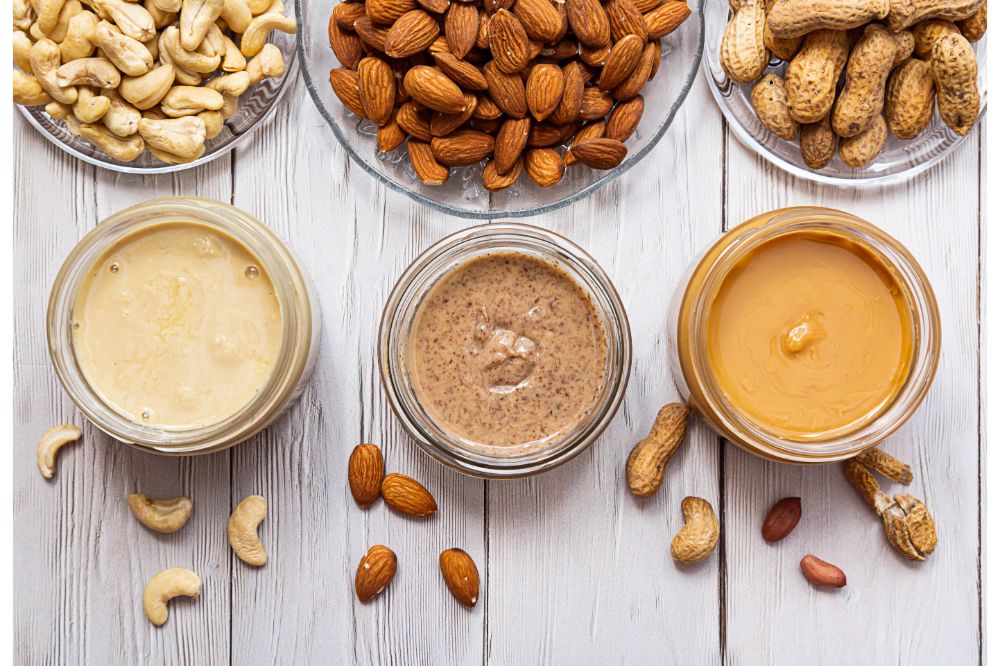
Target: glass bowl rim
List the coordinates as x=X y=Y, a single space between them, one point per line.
x=631 y=160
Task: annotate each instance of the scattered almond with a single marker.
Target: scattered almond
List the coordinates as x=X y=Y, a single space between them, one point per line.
x=460 y=575
x=375 y=571
x=365 y=469
x=406 y=495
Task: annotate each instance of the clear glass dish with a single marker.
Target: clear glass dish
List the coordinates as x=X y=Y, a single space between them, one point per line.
x=898 y=160
x=463 y=194
x=256 y=106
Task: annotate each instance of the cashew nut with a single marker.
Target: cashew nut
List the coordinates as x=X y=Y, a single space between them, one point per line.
x=160 y=515
x=90 y=107
x=242 y=529
x=258 y=6
x=44 y=59
x=125 y=149
x=153 y=46
x=49 y=445
x=122 y=118
x=214 y=42
x=28 y=91
x=213 y=123
x=236 y=14
x=197 y=16
x=256 y=34
x=192 y=61
x=170 y=158
x=48 y=14
x=22 y=47
x=146 y=91
x=230 y=84
x=163 y=587
x=167 y=6
x=24 y=15
x=232 y=59
x=128 y=54
x=58 y=33
x=230 y=105
x=269 y=62
x=132 y=19
x=154 y=114
x=183 y=137
x=58 y=110
x=97 y=72
x=161 y=19
x=190 y=100
x=78 y=42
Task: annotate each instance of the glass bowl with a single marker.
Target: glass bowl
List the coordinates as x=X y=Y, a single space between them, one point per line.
x=256 y=106
x=463 y=194
x=900 y=159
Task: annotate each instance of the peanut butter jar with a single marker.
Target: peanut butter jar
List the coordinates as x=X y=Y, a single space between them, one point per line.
x=805 y=335
x=182 y=326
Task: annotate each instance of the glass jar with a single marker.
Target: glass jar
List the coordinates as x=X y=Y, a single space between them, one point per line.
x=689 y=334
x=397 y=323
x=300 y=324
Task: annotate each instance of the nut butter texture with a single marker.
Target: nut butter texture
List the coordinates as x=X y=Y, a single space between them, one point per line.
x=177 y=326
x=506 y=350
x=810 y=335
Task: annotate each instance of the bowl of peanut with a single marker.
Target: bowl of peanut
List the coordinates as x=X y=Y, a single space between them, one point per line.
x=499 y=108
x=151 y=87
x=848 y=91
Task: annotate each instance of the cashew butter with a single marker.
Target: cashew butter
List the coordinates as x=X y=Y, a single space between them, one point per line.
x=177 y=326
x=809 y=334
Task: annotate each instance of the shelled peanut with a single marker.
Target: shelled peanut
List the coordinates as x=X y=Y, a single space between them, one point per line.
x=857 y=70
x=161 y=75
x=511 y=82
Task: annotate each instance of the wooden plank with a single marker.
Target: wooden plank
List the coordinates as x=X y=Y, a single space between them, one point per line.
x=353 y=237
x=892 y=611
x=579 y=569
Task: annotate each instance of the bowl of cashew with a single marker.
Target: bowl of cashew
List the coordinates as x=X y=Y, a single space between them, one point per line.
x=151 y=86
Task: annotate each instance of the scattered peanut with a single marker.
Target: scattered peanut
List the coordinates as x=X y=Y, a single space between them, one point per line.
x=822 y=573
x=700 y=534
x=648 y=461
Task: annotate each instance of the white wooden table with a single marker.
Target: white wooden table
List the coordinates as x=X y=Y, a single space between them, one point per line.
x=574 y=569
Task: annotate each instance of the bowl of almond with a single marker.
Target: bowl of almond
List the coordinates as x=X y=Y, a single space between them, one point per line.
x=499 y=108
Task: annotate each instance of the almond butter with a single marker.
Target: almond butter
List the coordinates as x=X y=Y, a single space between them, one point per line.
x=622 y=59
x=508 y=42
x=593 y=130
x=544 y=90
x=507 y=90
x=822 y=573
x=412 y=33
x=461 y=26
x=375 y=571
x=625 y=19
x=377 y=88
x=544 y=166
x=569 y=105
x=540 y=19
x=510 y=142
x=433 y=89
x=781 y=519
x=463 y=73
x=666 y=18
x=494 y=181
x=589 y=22
x=462 y=148
x=345 y=45
x=430 y=172
x=365 y=469
x=402 y=493
x=345 y=86
x=460 y=575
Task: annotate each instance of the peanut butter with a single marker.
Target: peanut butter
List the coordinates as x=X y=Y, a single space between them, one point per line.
x=810 y=335
x=177 y=326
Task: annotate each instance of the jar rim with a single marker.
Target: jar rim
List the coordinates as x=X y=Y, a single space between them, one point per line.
x=418 y=279
x=299 y=324
x=735 y=245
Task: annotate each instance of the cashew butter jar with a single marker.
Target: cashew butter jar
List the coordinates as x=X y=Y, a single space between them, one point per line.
x=805 y=335
x=504 y=350
x=182 y=326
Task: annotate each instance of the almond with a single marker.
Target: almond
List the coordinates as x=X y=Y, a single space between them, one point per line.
x=414 y=122
x=646 y=6
x=543 y=135
x=540 y=19
x=822 y=573
x=377 y=87
x=485 y=125
x=625 y=19
x=464 y=74
x=487 y=109
x=544 y=90
x=589 y=22
x=462 y=148
x=346 y=13
x=461 y=26
x=566 y=48
x=595 y=56
x=399 y=491
x=493 y=6
x=622 y=59
x=600 y=153
x=625 y=118
x=371 y=34
x=781 y=519
x=596 y=104
x=443 y=124
x=507 y=90
x=387 y=11
x=434 y=90
x=375 y=571
x=568 y=108
x=638 y=77
x=510 y=142
x=345 y=86
x=460 y=575
x=436 y=6
x=494 y=181
x=544 y=166
x=365 y=469
x=412 y=33
x=657 y=57
x=430 y=173
x=664 y=19
x=345 y=45
x=508 y=42
x=590 y=131
x=390 y=136
x=483 y=34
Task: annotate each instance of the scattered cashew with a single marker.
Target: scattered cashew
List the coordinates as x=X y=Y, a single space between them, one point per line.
x=146 y=91
x=190 y=100
x=697 y=539
x=79 y=37
x=49 y=445
x=230 y=84
x=242 y=529
x=268 y=63
x=58 y=110
x=132 y=19
x=48 y=14
x=97 y=72
x=45 y=59
x=122 y=118
x=28 y=91
x=128 y=55
x=90 y=107
x=236 y=14
x=197 y=16
x=163 y=587
x=191 y=61
x=125 y=149
x=160 y=515
x=213 y=123
x=22 y=48
x=256 y=34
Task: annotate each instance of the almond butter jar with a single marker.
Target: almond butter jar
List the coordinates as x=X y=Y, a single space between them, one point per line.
x=182 y=326
x=504 y=350
x=805 y=335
